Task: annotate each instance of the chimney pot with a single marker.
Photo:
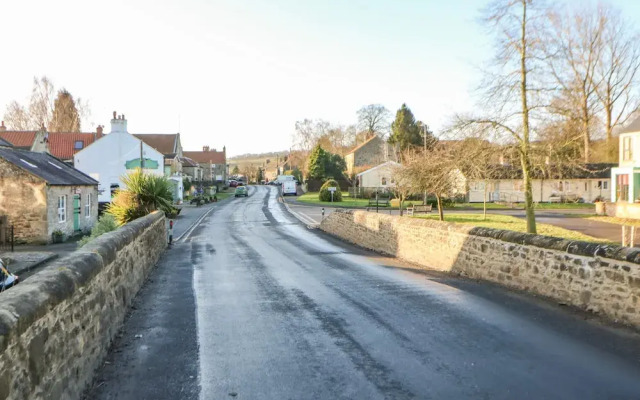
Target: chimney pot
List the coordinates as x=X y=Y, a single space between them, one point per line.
x=114 y=115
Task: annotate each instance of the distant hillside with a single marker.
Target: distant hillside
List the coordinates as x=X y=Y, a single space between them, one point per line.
x=260 y=156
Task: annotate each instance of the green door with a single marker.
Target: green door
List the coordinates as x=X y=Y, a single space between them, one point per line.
x=76 y=212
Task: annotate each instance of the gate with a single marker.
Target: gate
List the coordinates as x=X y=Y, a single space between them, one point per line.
x=7 y=238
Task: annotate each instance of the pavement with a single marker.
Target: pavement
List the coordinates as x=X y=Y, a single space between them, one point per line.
x=252 y=304
x=312 y=215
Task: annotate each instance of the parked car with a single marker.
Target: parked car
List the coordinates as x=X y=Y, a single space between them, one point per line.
x=233 y=183
x=241 y=191
x=7 y=279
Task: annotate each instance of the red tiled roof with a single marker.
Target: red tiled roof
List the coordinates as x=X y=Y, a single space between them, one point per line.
x=62 y=145
x=164 y=143
x=213 y=157
x=19 y=138
x=187 y=162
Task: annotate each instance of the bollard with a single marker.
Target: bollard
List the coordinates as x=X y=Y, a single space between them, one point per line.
x=170 y=231
x=323 y=213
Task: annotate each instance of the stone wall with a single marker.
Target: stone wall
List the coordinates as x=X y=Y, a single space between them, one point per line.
x=598 y=278
x=67 y=227
x=620 y=209
x=23 y=199
x=56 y=326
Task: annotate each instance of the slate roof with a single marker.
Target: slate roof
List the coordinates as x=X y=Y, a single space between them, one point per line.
x=164 y=143
x=634 y=126
x=5 y=143
x=213 y=157
x=47 y=167
x=19 y=138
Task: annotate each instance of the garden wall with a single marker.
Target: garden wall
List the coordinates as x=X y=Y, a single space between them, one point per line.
x=598 y=278
x=56 y=326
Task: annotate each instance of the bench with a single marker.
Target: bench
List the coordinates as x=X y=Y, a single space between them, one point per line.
x=419 y=209
x=381 y=202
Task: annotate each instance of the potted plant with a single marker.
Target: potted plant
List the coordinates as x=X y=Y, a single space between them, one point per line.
x=58 y=236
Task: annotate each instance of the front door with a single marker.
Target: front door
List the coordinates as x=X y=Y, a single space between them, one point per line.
x=76 y=212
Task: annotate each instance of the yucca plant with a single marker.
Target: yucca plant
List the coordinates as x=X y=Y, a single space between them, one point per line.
x=143 y=194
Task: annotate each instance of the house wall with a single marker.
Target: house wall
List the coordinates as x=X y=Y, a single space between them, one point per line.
x=105 y=160
x=23 y=199
x=349 y=160
x=512 y=190
x=373 y=178
x=635 y=150
x=194 y=173
x=85 y=221
x=598 y=278
x=219 y=172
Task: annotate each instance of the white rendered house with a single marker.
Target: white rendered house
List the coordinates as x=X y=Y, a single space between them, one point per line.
x=625 y=179
x=114 y=155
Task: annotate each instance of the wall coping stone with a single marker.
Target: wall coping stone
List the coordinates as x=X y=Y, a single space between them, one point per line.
x=30 y=300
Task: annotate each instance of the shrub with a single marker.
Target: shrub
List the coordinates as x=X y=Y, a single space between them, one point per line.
x=325 y=194
x=144 y=194
x=106 y=223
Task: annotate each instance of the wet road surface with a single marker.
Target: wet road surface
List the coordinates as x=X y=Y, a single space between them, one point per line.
x=253 y=305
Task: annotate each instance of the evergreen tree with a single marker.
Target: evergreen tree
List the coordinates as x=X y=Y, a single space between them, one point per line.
x=334 y=166
x=65 y=116
x=404 y=130
x=317 y=162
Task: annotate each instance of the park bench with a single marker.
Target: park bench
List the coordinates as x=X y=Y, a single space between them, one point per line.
x=381 y=202
x=419 y=209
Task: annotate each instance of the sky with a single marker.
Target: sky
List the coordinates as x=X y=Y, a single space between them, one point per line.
x=240 y=73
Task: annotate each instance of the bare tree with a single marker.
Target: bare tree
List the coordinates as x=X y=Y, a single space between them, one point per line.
x=41 y=103
x=512 y=90
x=617 y=74
x=65 y=116
x=573 y=49
x=374 y=119
x=17 y=117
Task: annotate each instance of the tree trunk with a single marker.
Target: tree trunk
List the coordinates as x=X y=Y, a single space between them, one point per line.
x=524 y=145
x=585 y=132
x=611 y=156
x=440 y=212
x=484 y=203
x=401 y=203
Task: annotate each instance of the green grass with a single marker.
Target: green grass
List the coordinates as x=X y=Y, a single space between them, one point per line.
x=520 y=206
x=347 y=201
x=510 y=223
x=223 y=195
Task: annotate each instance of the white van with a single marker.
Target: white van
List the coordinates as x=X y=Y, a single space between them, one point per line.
x=289 y=187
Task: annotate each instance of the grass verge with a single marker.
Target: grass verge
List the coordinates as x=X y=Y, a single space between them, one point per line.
x=510 y=223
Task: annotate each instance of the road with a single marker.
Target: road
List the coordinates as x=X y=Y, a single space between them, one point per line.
x=252 y=304
x=312 y=215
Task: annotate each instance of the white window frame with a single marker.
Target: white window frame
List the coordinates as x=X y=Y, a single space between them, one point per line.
x=62 y=209
x=605 y=185
x=87 y=206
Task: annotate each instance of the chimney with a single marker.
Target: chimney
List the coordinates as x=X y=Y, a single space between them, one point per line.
x=118 y=123
x=99 y=130
x=2 y=127
x=224 y=149
x=205 y=148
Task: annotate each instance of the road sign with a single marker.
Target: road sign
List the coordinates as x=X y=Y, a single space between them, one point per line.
x=333 y=189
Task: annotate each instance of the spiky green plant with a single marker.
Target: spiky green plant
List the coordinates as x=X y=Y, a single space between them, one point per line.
x=144 y=194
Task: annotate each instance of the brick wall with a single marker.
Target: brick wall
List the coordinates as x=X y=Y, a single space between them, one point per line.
x=598 y=278
x=23 y=199
x=56 y=326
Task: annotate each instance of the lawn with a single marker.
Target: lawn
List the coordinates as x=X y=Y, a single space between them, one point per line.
x=510 y=223
x=347 y=201
x=520 y=206
x=611 y=220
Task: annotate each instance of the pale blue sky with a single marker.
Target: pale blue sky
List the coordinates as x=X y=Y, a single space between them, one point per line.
x=241 y=72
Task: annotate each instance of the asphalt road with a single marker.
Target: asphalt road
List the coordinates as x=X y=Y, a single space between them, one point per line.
x=253 y=305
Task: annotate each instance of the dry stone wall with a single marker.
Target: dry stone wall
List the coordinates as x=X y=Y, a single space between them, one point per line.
x=56 y=327
x=600 y=278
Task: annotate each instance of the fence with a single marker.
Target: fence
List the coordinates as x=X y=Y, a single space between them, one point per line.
x=368 y=192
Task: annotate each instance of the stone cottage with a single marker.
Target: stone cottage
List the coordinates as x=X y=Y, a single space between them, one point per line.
x=213 y=163
x=374 y=151
x=41 y=194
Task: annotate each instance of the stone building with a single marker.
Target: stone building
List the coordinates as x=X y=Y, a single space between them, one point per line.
x=169 y=145
x=41 y=194
x=374 y=151
x=213 y=163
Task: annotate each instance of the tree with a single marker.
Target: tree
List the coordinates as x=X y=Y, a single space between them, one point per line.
x=235 y=170
x=335 y=166
x=39 y=112
x=65 y=116
x=144 y=194
x=260 y=175
x=317 y=162
x=404 y=130
x=510 y=90
x=573 y=49
x=617 y=74
x=374 y=119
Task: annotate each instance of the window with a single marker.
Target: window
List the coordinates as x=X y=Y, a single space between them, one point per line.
x=586 y=186
x=605 y=184
x=78 y=144
x=87 y=206
x=383 y=181
x=62 y=209
x=627 y=153
x=560 y=187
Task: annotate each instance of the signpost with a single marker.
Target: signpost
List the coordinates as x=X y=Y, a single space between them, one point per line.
x=332 y=189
